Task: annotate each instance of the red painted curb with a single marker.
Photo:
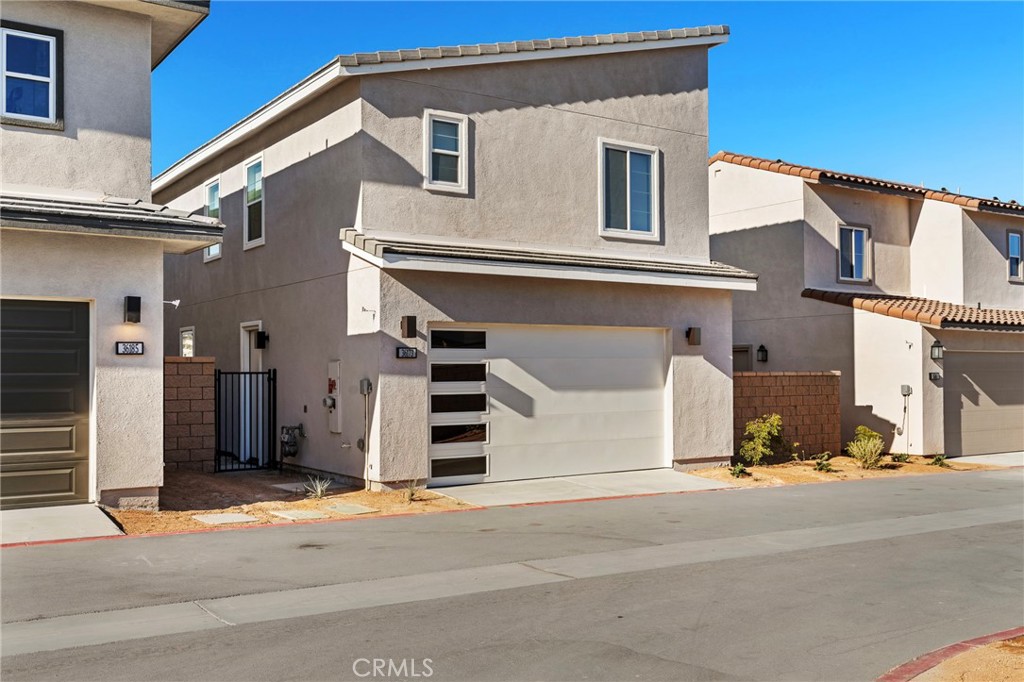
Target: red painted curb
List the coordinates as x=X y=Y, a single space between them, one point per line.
x=921 y=664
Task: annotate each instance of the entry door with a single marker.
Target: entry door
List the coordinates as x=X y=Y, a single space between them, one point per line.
x=44 y=403
x=251 y=398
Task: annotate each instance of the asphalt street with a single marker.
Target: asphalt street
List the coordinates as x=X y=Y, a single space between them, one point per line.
x=836 y=581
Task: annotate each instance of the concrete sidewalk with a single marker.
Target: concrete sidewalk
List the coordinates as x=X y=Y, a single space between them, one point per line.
x=1004 y=459
x=591 y=486
x=66 y=522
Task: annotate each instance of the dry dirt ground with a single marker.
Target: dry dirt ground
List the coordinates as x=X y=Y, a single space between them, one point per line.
x=996 y=662
x=186 y=493
x=843 y=469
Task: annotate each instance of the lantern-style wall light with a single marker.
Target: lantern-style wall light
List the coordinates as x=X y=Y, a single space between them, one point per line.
x=937 y=350
x=762 y=353
x=133 y=309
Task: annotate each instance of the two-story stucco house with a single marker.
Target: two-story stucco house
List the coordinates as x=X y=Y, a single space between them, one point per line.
x=915 y=295
x=508 y=241
x=81 y=251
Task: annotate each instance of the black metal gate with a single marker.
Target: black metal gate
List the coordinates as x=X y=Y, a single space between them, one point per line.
x=246 y=420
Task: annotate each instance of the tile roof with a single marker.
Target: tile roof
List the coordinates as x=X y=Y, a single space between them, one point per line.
x=925 y=310
x=835 y=177
x=380 y=246
x=31 y=208
x=512 y=47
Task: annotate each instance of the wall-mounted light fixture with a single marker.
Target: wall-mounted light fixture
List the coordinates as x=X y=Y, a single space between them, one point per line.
x=408 y=326
x=693 y=336
x=762 y=353
x=937 y=350
x=262 y=339
x=934 y=376
x=133 y=309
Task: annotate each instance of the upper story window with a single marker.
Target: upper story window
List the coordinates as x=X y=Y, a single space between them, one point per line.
x=854 y=250
x=31 y=70
x=1013 y=252
x=445 y=156
x=629 y=190
x=253 y=216
x=211 y=207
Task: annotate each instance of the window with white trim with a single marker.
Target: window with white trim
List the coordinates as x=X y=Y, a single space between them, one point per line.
x=1014 y=255
x=211 y=208
x=853 y=254
x=30 y=64
x=187 y=342
x=445 y=153
x=629 y=190
x=253 y=197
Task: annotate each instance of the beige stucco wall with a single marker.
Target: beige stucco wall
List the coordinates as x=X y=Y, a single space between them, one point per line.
x=936 y=251
x=740 y=198
x=127 y=391
x=985 y=260
x=533 y=131
x=105 y=144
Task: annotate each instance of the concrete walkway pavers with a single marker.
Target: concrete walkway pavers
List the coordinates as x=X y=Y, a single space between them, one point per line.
x=65 y=522
x=223 y=519
x=354 y=509
x=299 y=514
x=649 y=482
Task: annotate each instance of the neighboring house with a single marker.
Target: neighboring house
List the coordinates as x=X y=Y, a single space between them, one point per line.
x=528 y=219
x=901 y=288
x=81 y=265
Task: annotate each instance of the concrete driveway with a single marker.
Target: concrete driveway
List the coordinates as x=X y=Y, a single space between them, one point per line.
x=63 y=522
x=588 y=487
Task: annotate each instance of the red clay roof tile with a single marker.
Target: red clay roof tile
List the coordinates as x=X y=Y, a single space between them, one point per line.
x=924 y=310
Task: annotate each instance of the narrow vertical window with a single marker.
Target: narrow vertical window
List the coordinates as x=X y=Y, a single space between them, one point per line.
x=628 y=191
x=211 y=207
x=254 y=204
x=1013 y=250
x=853 y=244
x=445 y=154
x=30 y=70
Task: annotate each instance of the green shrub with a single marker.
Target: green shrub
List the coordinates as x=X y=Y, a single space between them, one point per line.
x=765 y=439
x=738 y=470
x=900 y=457
x=867 y=452
x=939 y=461
x=864 y=433
x=821 y=462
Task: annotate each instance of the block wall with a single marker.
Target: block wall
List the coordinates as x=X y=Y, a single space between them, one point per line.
x=189 y=413
x=808 y=403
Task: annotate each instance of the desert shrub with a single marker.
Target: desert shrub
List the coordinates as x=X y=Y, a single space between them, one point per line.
x=867 y=452
x=821 y=462
x=864 y=433
x=765 y=439
x=317 y=487
x=738 y=470
x=939 y=461
x=900 y=457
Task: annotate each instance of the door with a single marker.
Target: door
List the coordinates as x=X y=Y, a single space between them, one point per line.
x=983 y=403
x=511 y=402
x=250 y=398
x=44 y=403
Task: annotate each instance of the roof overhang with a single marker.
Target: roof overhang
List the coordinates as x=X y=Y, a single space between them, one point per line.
x=172 y=20
x=336 y=71
x=517 y=261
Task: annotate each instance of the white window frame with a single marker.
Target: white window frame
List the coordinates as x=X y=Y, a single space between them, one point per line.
x=462 y=121
x=868 y=248
x=617 y=233
x=207 y=256
x=181 y=346
x=51 y=81
x=246 y=242
x=1019 y=234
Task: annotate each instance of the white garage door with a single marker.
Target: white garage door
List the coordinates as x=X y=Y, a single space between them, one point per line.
x=984 y=403
x=517 y=402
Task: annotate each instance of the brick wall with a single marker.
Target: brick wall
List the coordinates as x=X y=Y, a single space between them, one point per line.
x=808 y=403
x=188 y=413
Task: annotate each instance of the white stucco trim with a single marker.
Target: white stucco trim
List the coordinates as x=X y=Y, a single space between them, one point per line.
x=332 y=73
x=477 y=267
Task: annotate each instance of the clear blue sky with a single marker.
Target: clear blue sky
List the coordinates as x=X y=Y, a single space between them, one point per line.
x=917 y=92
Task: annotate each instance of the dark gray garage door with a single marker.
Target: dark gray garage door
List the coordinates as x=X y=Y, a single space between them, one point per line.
x=44 y=403
x=984 y=403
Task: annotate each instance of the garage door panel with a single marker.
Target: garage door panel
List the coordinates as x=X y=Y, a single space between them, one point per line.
x=574 y=402
x=579 y=373
x=575 y=427
x=567 y=343
x=562 y=459
x=983 y=403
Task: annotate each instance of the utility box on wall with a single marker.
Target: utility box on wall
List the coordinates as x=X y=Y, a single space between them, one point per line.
x=333 y=400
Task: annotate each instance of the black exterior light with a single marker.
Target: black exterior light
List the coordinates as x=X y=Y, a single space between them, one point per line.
x=762 y=353
x=693 y=336
x=262 y=339
x=937 y=350
x=133 y=309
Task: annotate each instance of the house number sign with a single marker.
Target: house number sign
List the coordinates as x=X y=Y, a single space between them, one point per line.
x=403 y=352
x=130 y=348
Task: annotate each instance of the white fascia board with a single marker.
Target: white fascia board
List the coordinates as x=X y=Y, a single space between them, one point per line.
x=332 y=72
x=542 y=271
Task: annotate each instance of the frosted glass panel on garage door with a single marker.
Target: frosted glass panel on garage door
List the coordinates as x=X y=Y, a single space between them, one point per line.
x=572 y=400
